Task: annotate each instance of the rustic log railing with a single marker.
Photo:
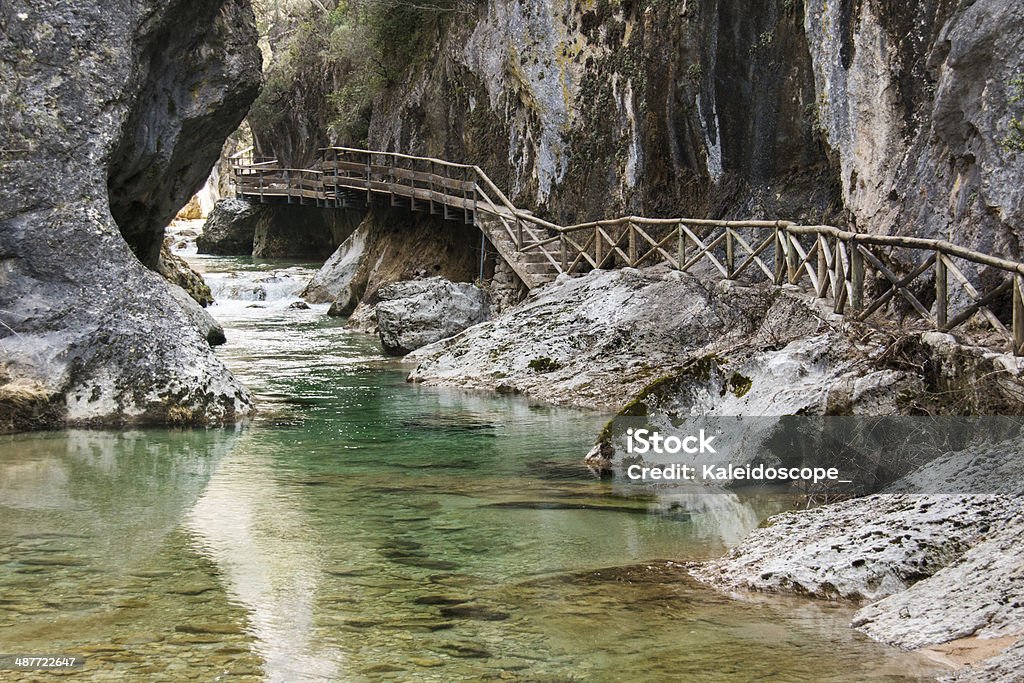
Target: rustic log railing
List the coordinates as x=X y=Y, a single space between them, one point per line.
x=861 y=275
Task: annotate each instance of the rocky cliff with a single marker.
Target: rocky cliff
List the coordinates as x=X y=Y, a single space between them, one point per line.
x=890 y=117
x=111 y=117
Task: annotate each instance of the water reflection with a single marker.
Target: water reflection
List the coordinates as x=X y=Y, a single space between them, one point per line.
x=364 y=529
x=119 y=490
x=269 y=559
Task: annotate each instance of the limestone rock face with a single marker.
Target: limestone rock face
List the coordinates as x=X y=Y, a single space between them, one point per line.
x=207 y=325
x=891 y=115
x=865 y=549
x=295 y=231
x=915 y=100
x=333 y=283
x=937 y=554
x=415 y=313
x=194 y=72
x=230 y=228
x=113 y=116
x=391 y=245
x=599 y=340
x=179 y=272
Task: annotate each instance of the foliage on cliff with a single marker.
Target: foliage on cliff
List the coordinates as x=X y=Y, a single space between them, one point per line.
x=330 y=61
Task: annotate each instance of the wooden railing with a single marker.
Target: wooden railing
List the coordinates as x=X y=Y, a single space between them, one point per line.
x=861 y=275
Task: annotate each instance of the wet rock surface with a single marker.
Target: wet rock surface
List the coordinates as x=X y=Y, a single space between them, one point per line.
x=178 y=272
x=415 y=313
x=230 y=228
x=121 y=114
x=935 y=567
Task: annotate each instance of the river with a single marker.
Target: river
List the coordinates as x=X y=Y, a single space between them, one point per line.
x=362 y=529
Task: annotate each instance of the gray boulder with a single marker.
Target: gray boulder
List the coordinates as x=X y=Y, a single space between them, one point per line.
x=230 y=229
x=415 y=313
x=335 y=281
x=121 y=111
x=180 y=273
x=207 y=325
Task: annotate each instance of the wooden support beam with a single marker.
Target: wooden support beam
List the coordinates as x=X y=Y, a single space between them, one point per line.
x=780 y=255
x=856 y=278
x=941 y=291
x=1018 y=314
x=730 y=256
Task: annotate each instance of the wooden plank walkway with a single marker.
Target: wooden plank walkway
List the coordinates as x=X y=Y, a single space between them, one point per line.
x=860 y=275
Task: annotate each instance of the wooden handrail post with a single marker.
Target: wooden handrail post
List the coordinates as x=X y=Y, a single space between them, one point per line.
x=792 y=263
x=632 y=245
x=337 y=196
x=730 y=258
x=1018 y=314
x=519 y=234
x=781 y=247
x=430 y=183
x=856 y=277
x=598 y=247
x=941 y=291
x=369 y=197
x=681 y=246
x=822 y=267
x=565 y=255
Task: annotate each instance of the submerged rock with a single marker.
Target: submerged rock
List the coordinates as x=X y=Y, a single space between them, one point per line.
x=415 y=313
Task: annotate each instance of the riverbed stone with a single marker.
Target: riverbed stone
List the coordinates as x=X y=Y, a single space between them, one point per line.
x=415 y=313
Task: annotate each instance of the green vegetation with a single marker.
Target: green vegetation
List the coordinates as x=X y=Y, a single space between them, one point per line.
x=1014 y=139
x=544 y=365
x=739 y=385
x=331 y=59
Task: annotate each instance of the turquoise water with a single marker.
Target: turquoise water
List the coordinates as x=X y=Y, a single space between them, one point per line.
x=365 y=529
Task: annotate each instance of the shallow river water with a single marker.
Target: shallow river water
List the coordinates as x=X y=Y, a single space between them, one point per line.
x=365 y=529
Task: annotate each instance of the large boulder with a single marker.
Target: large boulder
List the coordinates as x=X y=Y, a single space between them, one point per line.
x=415 y=313
x=207 y=325
x=230 y=228
x=334 y=282
x=599 y=340
x=121 y=111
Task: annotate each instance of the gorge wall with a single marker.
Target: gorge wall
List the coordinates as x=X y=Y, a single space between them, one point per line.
x=888 y=117
x=111 y=117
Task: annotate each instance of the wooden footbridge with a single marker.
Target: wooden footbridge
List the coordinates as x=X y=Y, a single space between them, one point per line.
x=861 y=275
